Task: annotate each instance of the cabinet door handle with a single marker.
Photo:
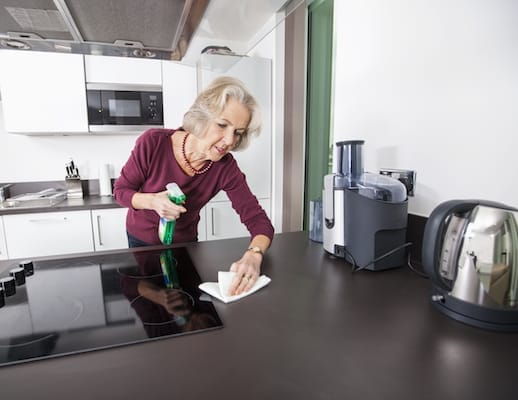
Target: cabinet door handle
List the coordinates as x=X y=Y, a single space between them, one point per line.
x=212 y=221
x=39 y=220
x=99 y=229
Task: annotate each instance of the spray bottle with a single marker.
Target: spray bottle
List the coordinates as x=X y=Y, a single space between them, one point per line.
x=165 y=226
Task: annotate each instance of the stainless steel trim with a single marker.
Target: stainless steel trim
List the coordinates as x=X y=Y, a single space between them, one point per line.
x=121 y=128
x=212 y=221
x=69 y=20
x=99 y=230
x=123 y=86
x=40 y=220
x=181 y=24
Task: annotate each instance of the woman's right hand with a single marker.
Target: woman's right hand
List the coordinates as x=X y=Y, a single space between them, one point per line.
x=164 y=207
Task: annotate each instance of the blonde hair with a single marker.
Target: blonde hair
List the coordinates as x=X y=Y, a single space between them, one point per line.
x=210 y=104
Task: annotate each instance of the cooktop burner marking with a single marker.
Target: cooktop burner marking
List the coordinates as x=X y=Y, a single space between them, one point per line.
x=27 y=343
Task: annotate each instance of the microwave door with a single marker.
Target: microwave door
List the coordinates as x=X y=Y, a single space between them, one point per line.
x=95 y=107
x=121 y=108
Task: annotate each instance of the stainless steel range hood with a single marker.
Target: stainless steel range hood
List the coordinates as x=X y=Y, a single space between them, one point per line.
x=159 y=29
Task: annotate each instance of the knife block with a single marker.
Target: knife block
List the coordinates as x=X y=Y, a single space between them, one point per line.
x=74 y=188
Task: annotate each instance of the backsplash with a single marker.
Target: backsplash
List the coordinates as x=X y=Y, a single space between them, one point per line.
x=38 y=158
x=90 y=187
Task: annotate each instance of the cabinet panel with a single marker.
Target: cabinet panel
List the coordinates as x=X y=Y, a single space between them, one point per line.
x=43 y=234
x=3 y=246
x=138 y=71
x=256 y=74
x=179 y=92
x=202 y=225
x=223 y=222
x=109 y=228
x=43 y=92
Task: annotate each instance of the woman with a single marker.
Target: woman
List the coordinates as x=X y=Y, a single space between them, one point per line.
x=197 y=157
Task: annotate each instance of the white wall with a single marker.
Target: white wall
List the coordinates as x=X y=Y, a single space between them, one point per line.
x=42 y=158
x=432 y=85
x=269 y=43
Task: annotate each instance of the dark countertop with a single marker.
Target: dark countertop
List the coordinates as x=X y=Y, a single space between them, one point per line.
x=317 y=331
x=86 y=203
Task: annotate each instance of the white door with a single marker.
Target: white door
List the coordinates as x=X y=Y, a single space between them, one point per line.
x=179 y=91
x=223 y=222
x=43 y=92
x=136 y=71
x=109 y=226
x=45 y=234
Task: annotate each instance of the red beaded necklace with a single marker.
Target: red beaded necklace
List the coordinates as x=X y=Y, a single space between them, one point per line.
x=189 y=165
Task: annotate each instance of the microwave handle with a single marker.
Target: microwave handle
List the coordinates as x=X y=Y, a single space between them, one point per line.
x=95 y=108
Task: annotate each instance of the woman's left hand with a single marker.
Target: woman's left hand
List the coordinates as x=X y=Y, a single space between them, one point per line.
x=247 y=271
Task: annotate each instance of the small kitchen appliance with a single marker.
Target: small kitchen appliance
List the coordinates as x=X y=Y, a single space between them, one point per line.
x=122 y=108
x=365 y=214
x=470 y=252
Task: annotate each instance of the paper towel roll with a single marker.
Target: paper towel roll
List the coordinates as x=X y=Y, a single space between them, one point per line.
x=105 y=182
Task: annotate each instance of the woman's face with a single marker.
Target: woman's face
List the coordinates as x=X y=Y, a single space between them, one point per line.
x=224 y=132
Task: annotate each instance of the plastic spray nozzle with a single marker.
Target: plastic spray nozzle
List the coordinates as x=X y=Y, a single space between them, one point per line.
x=175 y=193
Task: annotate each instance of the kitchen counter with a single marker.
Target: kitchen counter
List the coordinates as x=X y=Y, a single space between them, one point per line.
x=318 y=331
x=86 y=203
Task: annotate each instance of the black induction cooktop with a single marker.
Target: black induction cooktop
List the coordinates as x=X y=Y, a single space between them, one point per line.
x=59 y=307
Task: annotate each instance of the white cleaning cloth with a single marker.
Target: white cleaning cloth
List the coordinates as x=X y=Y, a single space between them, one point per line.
x=219 y=289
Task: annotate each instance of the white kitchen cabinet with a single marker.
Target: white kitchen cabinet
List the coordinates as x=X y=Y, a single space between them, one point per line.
x=3 y=246
x=179 y=91
x=255 y=72
x=132 y=71
x=44 y=234
x=109 y=229
x=43 y=92
x=202 y=225
x=222 y=222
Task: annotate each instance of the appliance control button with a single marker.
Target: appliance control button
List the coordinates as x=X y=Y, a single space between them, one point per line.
x=19 y=275
x=9 y=286
x=28 y=266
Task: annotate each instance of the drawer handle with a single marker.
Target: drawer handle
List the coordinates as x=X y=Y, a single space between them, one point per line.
x=212 y=220
x=99 y=229
x=40 y=220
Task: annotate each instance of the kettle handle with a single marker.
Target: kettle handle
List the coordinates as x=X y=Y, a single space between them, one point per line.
x=434 y=233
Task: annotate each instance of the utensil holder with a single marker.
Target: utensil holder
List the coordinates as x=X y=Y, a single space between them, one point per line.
x=74 y=188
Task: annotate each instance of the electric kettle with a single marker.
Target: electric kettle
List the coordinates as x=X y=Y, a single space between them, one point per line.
x=470 y=252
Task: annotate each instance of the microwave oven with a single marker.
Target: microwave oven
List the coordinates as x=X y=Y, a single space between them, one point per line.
x=117 y=108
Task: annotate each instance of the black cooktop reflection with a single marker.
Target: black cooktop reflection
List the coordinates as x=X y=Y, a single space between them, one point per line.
x=91 y=303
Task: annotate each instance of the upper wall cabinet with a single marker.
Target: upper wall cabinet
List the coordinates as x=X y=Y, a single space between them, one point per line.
x=43 y=92
x=131 y=71
x=179 y=91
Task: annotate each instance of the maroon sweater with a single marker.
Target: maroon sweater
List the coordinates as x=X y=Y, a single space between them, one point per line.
x=152 y=165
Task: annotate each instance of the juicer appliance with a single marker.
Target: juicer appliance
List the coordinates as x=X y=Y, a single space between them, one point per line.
x=470 y=252
x=365 y=214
